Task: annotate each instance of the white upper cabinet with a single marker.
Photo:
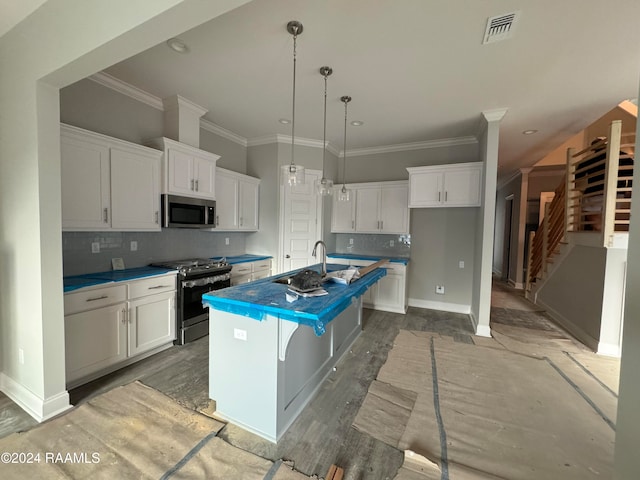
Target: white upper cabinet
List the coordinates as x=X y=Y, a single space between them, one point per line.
x=377 y=207
x=108 y=184
x=457 y=185
x=186 y=170
x=237 y=203
x=343 y=213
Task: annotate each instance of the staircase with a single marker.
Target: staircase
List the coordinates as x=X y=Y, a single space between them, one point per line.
x=592 y=205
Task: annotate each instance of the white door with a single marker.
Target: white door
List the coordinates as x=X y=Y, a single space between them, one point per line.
x=135 y=191
x=249 y=196
x=205 y=178
x=343 y=213
x=181 y=175
x=227 y=202
x=151 y=322
x=462 y=187
x=368 y=210
x=85 y=185
x=426 y=189
x=301 y=223
x=394 y=210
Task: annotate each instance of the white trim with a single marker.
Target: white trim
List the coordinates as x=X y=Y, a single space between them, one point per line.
x=443 y=306
x=569 y=326
x=516 y=285
x=483 y=331
x=223 y=132
x=38 y=408
x=609 y=350
x=495 y=115
x=510 y=179
x=177 y=102
x=127 y=89
x=404 y=147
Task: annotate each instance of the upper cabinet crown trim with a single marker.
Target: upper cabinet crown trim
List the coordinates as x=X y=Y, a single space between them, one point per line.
x=78 y=133
x=164 y=143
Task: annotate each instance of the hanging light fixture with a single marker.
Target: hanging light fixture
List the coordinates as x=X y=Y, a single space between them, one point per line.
x=325 y=186
x=294 y=173
x=343 y=196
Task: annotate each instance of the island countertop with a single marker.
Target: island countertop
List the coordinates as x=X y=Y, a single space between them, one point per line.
x=266 y=297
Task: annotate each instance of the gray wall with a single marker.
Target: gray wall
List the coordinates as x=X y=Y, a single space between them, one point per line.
x=440 y=238
x=575 y=289
x=233 y=155
x=499 y=245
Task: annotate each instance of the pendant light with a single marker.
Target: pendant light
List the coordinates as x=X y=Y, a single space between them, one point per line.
x=294 y=173
x=325 y=186
x=343 y=196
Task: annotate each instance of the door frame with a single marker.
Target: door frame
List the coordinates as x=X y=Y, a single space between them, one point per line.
x=281 y=223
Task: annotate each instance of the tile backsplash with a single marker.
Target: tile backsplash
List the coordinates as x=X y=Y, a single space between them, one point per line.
x=169 y=244
x=379 y=245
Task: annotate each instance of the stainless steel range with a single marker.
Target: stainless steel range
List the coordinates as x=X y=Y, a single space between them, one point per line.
x=196 y=277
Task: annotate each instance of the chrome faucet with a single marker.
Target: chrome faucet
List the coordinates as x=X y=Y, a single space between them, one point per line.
x=324 y=256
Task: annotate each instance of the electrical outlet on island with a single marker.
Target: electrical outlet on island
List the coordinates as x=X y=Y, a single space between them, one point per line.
x=440 y=289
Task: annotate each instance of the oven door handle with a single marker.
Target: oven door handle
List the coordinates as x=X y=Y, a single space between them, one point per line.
x=201 y=282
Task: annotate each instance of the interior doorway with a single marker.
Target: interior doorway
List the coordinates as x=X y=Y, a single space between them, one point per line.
x=506 y=253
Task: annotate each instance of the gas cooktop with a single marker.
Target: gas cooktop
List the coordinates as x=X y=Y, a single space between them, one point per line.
x=195 y=265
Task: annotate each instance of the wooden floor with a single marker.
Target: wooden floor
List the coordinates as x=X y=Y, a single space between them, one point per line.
x=322 y=435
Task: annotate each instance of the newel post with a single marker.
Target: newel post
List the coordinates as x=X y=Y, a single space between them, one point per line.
x=611 y=183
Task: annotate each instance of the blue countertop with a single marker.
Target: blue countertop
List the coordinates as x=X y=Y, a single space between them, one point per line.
x=75 y=282
x=233 y=259
x=375 y=258
x=265 y=297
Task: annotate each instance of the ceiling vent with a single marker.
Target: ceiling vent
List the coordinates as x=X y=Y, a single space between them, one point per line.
x=500 y=27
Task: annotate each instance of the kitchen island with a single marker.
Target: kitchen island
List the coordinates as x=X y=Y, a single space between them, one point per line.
x=267 y=356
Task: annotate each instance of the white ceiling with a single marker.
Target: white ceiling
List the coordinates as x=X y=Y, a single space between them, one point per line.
x=416 y=69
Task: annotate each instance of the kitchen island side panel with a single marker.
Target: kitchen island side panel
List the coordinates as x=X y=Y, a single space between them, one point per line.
x=255 y=389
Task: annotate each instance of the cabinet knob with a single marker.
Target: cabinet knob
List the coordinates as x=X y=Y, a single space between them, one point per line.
x=287 y=256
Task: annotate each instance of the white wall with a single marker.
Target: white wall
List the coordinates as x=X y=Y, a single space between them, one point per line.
x=58 y=44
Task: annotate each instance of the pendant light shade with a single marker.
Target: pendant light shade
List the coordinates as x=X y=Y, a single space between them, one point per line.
x=344 y=194
x=325 y=186
x=294 y=173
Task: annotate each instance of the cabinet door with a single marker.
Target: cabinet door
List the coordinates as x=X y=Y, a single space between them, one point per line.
x=227 y=202
x=94 y=340
x=152 y=322
x=462 y=188
x=343 y=214
x=249 y=201
x=180 y=173
x=390 y=293
x=367 y=210
x=426 y=189
x=135 y=191
x=205 y=178
x=85 y=185
x=394 y=209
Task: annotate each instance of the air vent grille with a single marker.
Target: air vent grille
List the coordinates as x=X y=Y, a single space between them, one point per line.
x=500 y=27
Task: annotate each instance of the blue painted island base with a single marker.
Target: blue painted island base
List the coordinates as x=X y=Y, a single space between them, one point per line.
x=262 y=373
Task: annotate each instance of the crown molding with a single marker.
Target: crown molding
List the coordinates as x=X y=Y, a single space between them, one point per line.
x=223 y=132
x=404 y=147
x=140 y=95
x=494 y=115
x=127 y=89
x=177 y=101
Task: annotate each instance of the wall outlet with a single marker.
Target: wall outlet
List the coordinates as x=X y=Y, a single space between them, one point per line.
x=240 y=334
x=226 y=240
x=95 y=247
x=391 y=243
x=21 y=356
x=134 y=245
x=461 y=264
x=351 y=241
x=440 y=289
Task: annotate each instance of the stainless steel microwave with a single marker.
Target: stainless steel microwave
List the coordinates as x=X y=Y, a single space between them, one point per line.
x=187 y=212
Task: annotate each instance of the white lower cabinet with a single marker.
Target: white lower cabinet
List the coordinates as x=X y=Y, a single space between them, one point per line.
x=246 y=272
x=390 y=293
x=109 y=327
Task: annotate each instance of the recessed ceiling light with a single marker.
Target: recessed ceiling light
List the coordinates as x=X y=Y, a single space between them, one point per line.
x=357 y=123
x=178 y=45
x=285 y=121
x=529 y=132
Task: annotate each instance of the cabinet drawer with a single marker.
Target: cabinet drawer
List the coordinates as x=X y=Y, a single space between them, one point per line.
x=261 y=265
x=150 y=286
x=241 y=269
x=95 y=298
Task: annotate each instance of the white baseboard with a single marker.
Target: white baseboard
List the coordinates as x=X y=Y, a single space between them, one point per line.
x=483 y=331
x=516 y=285
x=444 y=306
x=609 y=350
x=40 y=409
x=569 y=326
